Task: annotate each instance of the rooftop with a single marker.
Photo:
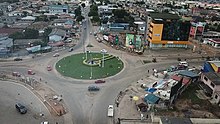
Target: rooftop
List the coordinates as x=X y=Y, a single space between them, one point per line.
x=58 y=32
x=173 y=120
x=58 y=6
x=214 y=77
x=216 y=63
x=188 y=74
x=163 y=16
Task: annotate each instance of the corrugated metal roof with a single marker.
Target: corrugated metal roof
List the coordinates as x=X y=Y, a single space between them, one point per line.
x=188 y=74
x=176 y=77
x=214 y=77
x=163 y=16
x=151 y=99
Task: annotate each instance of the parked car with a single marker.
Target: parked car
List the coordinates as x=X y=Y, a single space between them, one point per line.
x=99 y=81
x=30 y=72
x=21 y=108
x=70 y=49
x=49 y=68
x=18 y=59
x=16 y=74
x=181 y=67
x=93 y=88
x=56 y=55
x=45 y=122
x=184 y=63
x=110 y=111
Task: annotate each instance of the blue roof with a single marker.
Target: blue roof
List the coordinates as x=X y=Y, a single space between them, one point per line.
x=207 y=67
x=69 y=22
x=188 y=74
x=151 y=99
x=151 y=90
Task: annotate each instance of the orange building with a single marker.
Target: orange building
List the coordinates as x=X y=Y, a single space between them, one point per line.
x=167 y=30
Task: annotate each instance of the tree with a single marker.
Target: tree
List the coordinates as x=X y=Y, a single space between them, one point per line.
x=78 y=11
x=42 y=18
x=25 y=13
x=1 y=13
x=31 y=33
x=16 y=35
x=93 y=8
x=79 y=18
x=93 y=13
x=47 y=31
x=83 y=5
x=214 y=18
x=123 y=16
x=96 y=19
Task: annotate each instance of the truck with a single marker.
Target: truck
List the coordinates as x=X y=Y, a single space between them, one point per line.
x=110 y=111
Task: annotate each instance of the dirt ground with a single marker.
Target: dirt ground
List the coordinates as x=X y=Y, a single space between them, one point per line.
x=186 y=108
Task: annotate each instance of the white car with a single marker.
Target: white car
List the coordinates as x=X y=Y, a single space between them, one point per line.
x=183 y=63
x=45 y=122
x=56 y=55
x=110 y=111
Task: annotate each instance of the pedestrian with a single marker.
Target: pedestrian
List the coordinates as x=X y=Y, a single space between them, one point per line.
x=148 y=71
x=40 y=79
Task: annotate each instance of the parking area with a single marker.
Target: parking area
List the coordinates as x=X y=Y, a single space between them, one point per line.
x=12 y=93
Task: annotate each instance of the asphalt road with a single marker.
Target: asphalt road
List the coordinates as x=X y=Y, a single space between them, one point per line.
x=86 y=107
x=12 y=93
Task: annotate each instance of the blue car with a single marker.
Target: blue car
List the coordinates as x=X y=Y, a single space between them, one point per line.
x=93 y=88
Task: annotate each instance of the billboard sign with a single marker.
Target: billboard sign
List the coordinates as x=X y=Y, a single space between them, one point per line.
x=129 y=40
x=138 y=42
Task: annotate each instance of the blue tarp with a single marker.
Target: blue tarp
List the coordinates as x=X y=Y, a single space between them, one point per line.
x=151 y=90
x=207 y=67
x=151 y=99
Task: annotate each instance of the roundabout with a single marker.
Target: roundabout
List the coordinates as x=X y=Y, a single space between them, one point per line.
x=89 y=65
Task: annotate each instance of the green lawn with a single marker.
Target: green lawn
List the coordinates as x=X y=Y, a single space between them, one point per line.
x=72 y=66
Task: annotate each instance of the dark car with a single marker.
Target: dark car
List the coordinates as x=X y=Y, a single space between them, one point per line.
x=18 y=59
x=70 y=49
x=181 y=67
x=21 y=108
x=99 y=81
x=93 y=88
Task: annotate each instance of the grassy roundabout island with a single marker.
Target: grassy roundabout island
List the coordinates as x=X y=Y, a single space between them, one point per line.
x=90 y=66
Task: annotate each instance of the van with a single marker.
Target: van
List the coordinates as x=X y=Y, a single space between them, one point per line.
x=183 y=63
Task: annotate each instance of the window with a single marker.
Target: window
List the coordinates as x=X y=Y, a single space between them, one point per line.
x=205 y=78
x=213 y=85
x=216 y=96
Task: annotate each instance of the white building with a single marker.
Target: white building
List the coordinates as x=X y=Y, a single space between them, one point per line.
x=58 y=9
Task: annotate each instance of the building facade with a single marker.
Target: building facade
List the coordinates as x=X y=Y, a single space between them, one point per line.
x=167 y=30
x=58 y=9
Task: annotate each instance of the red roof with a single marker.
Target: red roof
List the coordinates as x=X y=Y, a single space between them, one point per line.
x=186 y=80
x=9 y=30
x=176 y=77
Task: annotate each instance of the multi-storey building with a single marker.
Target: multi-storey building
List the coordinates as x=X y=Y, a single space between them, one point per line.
x=167 y=30
x=58 y=9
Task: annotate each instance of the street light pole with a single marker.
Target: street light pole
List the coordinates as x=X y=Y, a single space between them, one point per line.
x=103 y=51
x=103 y=59
x=91 y=67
